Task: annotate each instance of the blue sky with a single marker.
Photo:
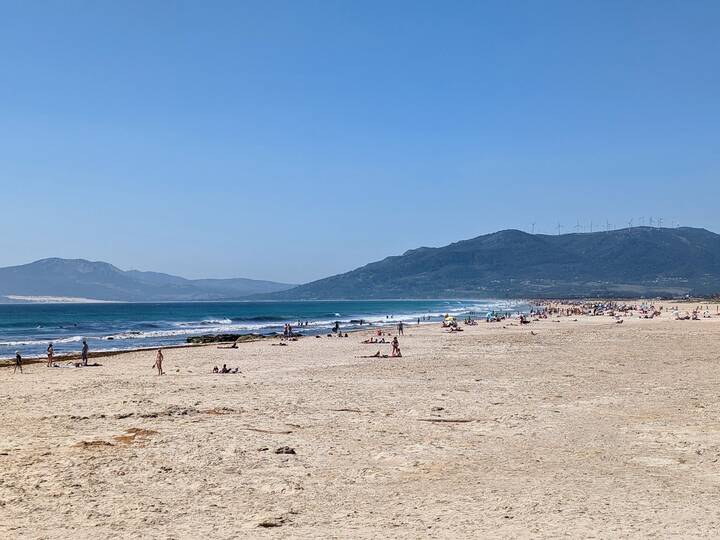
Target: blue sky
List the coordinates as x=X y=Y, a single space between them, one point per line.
x=293 y=140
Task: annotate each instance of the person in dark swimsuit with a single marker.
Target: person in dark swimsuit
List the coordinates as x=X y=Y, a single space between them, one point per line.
x=395 y=348
x=18 y=362
x=85 y=349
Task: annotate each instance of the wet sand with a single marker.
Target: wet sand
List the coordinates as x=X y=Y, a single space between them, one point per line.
x=587 y=429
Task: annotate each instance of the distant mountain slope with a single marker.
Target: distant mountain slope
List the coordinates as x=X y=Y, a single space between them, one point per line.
x=512 y=264
x=103 y=281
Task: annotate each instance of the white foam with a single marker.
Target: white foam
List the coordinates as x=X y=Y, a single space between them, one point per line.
x=203 y=322
x=72 y=339
x=188 y=331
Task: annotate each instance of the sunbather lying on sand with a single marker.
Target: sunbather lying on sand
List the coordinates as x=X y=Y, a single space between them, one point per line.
x=376 y=355
x=72 y=364
x=225 y=369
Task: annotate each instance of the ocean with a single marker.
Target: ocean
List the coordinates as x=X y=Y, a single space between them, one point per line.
x=29 y=328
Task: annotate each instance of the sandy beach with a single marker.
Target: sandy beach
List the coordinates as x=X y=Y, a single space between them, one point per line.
x=566 y=427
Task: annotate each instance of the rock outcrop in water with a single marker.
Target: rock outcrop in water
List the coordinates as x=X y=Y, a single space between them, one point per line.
x=223 y=338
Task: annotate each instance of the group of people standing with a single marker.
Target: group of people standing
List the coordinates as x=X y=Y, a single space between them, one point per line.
x=84 y=358
x=83 y=354
x=51 y=356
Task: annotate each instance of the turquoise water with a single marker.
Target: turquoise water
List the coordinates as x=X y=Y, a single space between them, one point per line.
x=29 y=328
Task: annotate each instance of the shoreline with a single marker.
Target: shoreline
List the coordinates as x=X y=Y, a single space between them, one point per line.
x=10 y=362
x=271 y=328
x=533 y=303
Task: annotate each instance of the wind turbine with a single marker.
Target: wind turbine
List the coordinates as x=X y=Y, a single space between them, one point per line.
x=533 y=227
x=559 y=228
x=630 y=223
x=577 y=227
x=660 y=222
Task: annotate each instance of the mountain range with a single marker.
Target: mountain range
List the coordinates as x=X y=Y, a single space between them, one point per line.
x=78 y=278
x=639 y=261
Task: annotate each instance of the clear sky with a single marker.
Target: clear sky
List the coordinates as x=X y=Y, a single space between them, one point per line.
x=293 y=140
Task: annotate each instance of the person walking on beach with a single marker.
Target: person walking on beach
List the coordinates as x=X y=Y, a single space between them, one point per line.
x=18 y=362
x=85 y=349
x=50 y=354
x=158 y=362
x=400 y=329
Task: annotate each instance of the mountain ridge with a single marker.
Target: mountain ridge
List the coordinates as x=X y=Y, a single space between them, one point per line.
x=515 y=264
x=638 y=261
x=99 y=280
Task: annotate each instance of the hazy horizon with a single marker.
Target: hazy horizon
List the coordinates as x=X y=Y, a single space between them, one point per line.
x=291 y=141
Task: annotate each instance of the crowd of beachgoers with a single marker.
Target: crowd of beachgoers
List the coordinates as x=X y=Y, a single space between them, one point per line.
x=644 y=310
x=541 y=310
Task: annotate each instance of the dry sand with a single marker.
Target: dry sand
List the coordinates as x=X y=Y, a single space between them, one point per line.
x=586 y=429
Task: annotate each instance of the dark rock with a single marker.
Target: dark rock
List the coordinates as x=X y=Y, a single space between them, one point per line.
x=271 y=522
x=223 y=338
x=285 y=450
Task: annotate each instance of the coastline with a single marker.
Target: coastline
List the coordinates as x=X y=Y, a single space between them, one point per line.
x=560 y=302
x=118 y=327
x=9 y=362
